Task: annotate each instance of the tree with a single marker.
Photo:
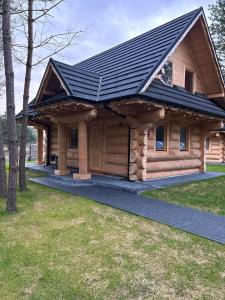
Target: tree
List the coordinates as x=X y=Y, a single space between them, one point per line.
x=217 y=29
x=10 y=105
x=23 y=139
x=50 y=44
x=3 y=186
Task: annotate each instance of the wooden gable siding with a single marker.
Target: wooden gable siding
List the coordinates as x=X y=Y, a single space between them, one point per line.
x=172 y=161
x=216 y=151
x=182 y=59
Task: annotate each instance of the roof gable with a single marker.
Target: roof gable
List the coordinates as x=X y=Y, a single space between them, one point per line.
x=128 y=67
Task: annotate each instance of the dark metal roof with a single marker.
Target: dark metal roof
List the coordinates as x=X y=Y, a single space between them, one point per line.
x=123 y=70
x=178 y=96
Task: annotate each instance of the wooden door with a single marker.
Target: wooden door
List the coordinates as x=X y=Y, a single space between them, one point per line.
x=96 y=148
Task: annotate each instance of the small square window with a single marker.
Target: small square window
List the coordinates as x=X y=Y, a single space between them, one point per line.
x=189 y=78
x=166 y=73
x=183 y=139
x=74 y=138
x=160 y=142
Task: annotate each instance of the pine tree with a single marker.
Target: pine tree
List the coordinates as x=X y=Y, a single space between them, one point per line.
x=217 y=29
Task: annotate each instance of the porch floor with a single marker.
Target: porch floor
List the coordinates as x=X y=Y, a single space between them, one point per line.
x=122 y=183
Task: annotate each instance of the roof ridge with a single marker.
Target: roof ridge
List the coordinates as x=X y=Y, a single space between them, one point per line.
x=138 y=36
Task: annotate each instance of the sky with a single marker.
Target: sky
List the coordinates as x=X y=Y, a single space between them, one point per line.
x=106 y=23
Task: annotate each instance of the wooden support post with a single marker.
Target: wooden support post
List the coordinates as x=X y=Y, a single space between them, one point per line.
x=40 y=146
x=204 y=135
x=83 y=152
x=62 y=150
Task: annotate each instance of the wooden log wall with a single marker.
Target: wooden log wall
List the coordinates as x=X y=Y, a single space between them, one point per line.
x=115 y=157
x=173 y=161
x=216 y=152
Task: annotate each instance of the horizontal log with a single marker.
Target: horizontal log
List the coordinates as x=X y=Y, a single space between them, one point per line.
x=117 y=149
x=172 y=157
x=133 y=168
x=76 y=117
x=134 y=144
x=171 y=173
x=117 y=159
x=134 y=155
x=117 y=140
x=116 y=169
x=117 y=130
x=173 y=165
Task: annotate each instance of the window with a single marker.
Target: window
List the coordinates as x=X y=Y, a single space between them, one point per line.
x=74 y=138
x=166 y=73
x=160 y=143
x=207 y=144
x=183 y=139
x=189 y=81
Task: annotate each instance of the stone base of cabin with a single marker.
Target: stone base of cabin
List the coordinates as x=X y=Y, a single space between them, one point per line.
x=82 y=176
x=62 y=172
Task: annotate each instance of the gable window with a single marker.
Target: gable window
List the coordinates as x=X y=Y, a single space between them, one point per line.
x=183 y=139
x=166 y=73
x=189 y=80
x=160 y=138
x=207 y=144
x=74 y=138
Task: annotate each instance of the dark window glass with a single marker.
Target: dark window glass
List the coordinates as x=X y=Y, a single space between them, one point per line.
x=183 y=139
x=189 y=81
x=160 y=138
x=74 y=138
x=166 y=73
x=207 y=144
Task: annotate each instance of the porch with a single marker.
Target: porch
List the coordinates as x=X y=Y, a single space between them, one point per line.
x=118 y=182
x=135 y=139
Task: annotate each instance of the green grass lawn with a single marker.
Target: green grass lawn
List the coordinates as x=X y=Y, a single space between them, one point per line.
x=216 y=168
x=58 y=246
x=208 y=195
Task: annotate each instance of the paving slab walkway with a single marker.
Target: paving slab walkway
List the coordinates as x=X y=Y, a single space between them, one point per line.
x=205 y=224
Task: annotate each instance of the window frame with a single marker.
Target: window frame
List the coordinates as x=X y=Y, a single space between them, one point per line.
x=70 y=146
x=193 y=79
x=165 y=137
x=187 y=148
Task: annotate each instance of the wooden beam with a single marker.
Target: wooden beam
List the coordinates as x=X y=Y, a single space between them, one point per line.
x=40 y=147
x=62 y=150
x=83 y=152
x=76 y=117
x=218 y=95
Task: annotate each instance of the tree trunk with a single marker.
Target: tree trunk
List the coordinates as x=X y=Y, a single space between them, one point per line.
x=3 y=186
x=26 y=92
x=10 y=105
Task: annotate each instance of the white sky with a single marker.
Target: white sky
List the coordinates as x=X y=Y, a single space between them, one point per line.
x=107 y=24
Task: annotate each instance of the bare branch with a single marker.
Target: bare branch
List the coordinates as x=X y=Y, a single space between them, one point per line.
x=47 y=10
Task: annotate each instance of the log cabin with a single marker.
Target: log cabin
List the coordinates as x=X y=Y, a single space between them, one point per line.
x=215 y=147
x=141 y=110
